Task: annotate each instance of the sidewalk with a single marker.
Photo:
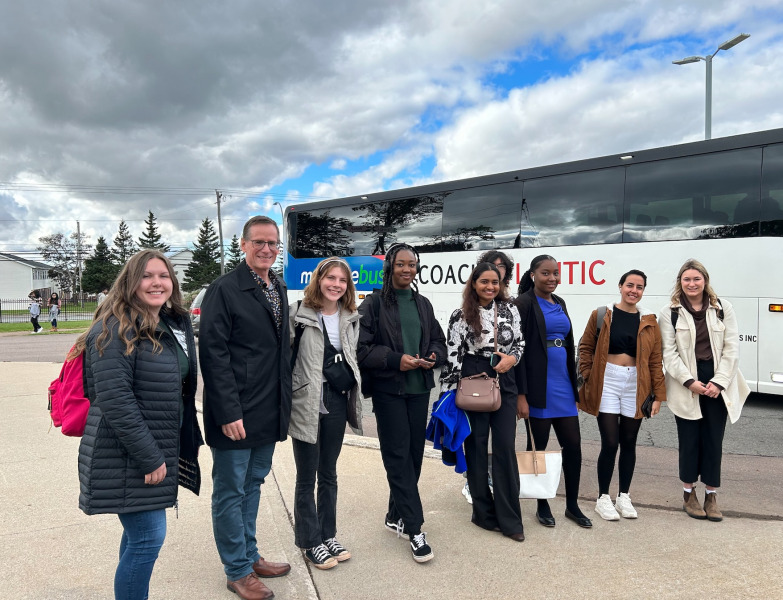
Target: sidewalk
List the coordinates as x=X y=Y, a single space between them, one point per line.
x=50 y=550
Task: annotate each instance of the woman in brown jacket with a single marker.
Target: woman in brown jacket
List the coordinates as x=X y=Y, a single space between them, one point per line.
x=621 y=367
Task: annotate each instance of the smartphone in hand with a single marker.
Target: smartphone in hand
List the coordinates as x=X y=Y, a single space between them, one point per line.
x=494 y=360
x=427 y=360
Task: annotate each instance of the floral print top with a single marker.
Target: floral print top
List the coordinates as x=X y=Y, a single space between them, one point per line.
x=462 y=340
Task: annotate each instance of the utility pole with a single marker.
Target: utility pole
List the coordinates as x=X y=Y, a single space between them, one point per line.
x=79 y=258
x=220 y=234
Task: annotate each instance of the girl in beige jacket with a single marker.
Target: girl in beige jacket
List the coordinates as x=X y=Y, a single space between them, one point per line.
x=703 y=383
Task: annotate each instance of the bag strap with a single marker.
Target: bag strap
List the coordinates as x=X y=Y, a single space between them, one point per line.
x=495 y=306
x=298 y=331
x=532 y=445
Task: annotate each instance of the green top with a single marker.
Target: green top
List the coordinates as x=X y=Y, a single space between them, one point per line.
x=411 y=339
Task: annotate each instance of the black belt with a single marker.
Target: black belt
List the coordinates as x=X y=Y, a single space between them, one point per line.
x=558 y=343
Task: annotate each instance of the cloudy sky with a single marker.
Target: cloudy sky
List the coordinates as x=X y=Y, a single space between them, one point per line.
x=111 y=108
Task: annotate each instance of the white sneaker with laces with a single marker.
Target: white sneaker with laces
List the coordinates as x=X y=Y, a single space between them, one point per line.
x=466 y=493
x=605 y=508
x=624 y=507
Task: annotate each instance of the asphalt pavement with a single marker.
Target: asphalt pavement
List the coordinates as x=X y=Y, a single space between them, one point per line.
x=51 y=550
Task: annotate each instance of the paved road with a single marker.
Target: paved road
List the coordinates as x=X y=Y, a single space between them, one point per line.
x=758 y=433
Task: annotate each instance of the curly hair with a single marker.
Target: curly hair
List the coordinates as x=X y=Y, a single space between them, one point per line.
x=694 y=264
x=313 y=298
x=121 y=304
x=470 y=300
x=493 y=255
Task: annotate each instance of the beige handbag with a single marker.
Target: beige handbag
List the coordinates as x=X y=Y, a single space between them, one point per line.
x=539 y=471
x=480 y=392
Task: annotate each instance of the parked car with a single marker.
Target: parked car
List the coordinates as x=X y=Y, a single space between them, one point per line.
x=195 y=309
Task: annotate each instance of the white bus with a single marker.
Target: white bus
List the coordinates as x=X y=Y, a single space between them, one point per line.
x=718 y=201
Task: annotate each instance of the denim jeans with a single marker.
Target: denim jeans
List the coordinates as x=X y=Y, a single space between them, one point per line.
x=142 y=538
x=237 y=476
x=314 y=524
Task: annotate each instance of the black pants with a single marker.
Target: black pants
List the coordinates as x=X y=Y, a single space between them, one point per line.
x=503 y=510
x=314 y=523
x=402 y=424
x=34 y=321
x=701 y=440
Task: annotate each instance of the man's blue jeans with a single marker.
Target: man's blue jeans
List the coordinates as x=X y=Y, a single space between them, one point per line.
x=142 y=538
x=237 y=476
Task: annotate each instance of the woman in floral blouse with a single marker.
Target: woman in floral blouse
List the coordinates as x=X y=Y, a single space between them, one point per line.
x=470 y=348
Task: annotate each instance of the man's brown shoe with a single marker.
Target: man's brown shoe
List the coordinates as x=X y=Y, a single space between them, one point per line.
x=250 y=588
x=691 y=505
x=264 y=568
x=711 y=507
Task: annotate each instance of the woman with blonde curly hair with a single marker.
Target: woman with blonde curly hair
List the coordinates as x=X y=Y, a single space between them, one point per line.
x=703 y=383
x=142 y=437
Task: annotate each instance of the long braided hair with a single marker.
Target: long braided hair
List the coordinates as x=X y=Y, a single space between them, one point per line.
x=387 y=291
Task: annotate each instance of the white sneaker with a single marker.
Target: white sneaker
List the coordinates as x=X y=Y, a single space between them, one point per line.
x=624 y=507
x=466 y=493
x=605 y=509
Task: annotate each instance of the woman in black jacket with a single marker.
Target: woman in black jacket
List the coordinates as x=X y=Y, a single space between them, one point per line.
x=141 y=437
x=400 y=341
x=548 y=379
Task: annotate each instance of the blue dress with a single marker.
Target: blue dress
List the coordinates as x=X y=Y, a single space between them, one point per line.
x=560 y=399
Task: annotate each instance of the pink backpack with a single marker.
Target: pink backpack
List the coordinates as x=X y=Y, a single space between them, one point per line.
x=68 y=402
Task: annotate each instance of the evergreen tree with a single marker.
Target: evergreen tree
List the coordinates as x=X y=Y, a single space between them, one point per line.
x=151 y=238
x=234 y=254
x=205 y=266
x=99 y=270
x=124 y=246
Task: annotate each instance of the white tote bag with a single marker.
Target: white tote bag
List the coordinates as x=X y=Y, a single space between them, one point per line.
x=539 y=472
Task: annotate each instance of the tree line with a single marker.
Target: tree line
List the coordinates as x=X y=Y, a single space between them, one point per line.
x=103 y=262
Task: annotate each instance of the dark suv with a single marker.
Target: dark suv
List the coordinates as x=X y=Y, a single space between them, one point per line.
x=195 y=310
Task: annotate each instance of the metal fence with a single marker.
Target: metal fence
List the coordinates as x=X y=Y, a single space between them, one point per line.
x=18 y=310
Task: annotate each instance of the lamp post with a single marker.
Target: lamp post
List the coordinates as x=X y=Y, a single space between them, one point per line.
x=708 y=60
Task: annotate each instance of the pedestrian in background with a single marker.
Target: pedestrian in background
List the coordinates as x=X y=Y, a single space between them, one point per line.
x=704 y=385
x=621 y=368
x=548 y=395
x=35 y=310
x=399 y=343
x=142 y=436
x=54 y=309
x=484 y=336
x=324 y=333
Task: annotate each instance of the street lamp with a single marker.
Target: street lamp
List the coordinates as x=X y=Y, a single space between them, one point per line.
x=708 y=59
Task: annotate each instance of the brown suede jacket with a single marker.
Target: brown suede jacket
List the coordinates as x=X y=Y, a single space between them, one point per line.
x=593 y=354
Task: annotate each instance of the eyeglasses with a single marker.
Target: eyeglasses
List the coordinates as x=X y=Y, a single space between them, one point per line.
x=259 y=244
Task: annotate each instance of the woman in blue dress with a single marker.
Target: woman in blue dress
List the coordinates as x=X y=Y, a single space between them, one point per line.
x=548 y=378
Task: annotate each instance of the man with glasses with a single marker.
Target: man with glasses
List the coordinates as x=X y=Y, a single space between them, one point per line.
x=244 y=353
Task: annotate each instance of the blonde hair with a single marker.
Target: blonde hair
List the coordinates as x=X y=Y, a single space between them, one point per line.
x=313 y=298
x=694 y=264
x=121 y=304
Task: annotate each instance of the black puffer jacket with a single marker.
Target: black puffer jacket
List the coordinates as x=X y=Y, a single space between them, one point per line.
x=134 y=423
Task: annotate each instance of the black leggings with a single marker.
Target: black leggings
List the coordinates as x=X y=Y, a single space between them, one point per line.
x=570 y=439
x=617 y=431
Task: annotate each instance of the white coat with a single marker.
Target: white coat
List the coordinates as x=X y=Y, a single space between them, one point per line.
x=679 y=360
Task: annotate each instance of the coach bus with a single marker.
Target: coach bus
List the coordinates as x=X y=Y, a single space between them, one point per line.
x=718 y=201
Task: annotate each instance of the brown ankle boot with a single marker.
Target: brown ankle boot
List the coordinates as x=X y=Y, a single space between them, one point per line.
x=691 y=505
x=250 y=587
x=711 y=507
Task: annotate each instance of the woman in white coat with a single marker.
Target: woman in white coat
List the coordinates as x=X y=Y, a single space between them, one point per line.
x=703 y=383
x=324 y=333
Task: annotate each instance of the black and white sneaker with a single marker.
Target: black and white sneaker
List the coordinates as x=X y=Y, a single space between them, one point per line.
x=420 y=548
x=320 y=557
x=397 y=527
x=336 y=550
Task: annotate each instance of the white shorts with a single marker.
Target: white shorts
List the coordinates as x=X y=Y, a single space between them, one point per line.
x=619 y=394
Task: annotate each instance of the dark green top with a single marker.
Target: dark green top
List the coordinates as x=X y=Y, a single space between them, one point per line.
x=411 y=339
